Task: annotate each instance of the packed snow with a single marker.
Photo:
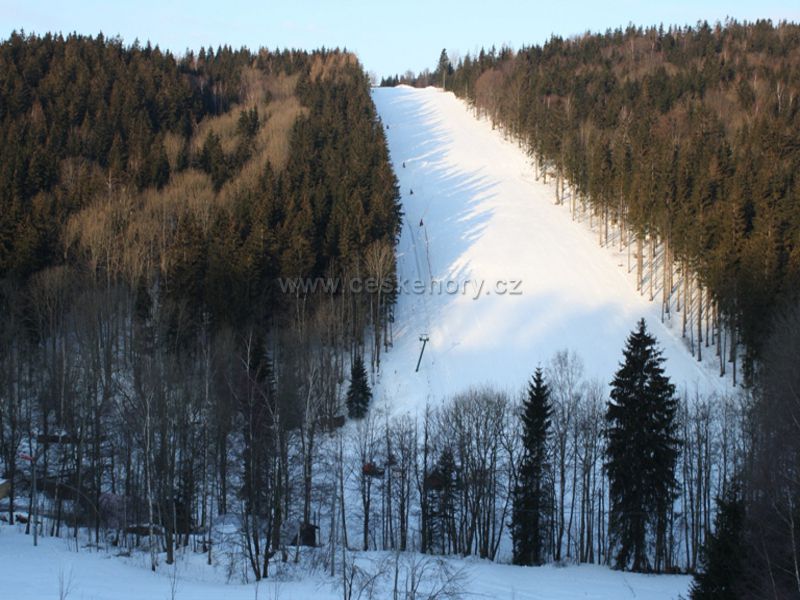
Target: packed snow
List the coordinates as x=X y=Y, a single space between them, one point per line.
x=509 y=278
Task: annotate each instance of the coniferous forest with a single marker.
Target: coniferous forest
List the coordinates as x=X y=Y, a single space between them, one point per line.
x=163 y=389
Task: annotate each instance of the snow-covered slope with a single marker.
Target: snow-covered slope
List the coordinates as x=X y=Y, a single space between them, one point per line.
x=30 y=573
x=478 y=217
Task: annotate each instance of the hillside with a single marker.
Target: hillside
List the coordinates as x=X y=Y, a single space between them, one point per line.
x=150 y=206
x=683 y=141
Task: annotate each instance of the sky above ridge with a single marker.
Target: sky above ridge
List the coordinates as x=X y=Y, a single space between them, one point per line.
x=389 y=37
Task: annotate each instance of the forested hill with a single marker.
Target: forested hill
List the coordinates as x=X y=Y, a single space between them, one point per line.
x=211 y=174
x=149 y=208
x=690 y=136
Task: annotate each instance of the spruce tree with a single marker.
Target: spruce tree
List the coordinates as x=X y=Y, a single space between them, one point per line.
x=723 y=555
x=641 y=453
x=531 y=508
x=444 y=68
x=358 y=394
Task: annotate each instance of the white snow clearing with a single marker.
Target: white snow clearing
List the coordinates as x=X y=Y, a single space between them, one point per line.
x=38 y=573
x=530 y=282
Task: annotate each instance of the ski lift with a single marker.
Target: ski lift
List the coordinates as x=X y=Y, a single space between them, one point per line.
x=424 y=339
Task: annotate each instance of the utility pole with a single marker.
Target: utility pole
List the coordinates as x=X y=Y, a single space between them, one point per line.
x=427 y=254
x=424 y=339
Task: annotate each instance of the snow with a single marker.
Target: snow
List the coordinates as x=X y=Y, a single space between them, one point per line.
x=486 y=219
x=568 y=583
x=33 y=573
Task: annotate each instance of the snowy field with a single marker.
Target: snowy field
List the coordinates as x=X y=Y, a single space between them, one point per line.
x=477 y=217
x=30 y=573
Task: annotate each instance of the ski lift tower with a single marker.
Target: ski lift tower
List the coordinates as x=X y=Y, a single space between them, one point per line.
x=424 y=339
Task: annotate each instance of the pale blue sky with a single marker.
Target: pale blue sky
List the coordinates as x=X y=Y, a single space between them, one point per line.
x=389 y=37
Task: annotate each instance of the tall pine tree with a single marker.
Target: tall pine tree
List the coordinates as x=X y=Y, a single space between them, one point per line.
x=529 y=525
x=641 y=454
x=358 y=394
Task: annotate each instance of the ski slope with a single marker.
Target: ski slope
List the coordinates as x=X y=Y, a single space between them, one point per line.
x=477 y=217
